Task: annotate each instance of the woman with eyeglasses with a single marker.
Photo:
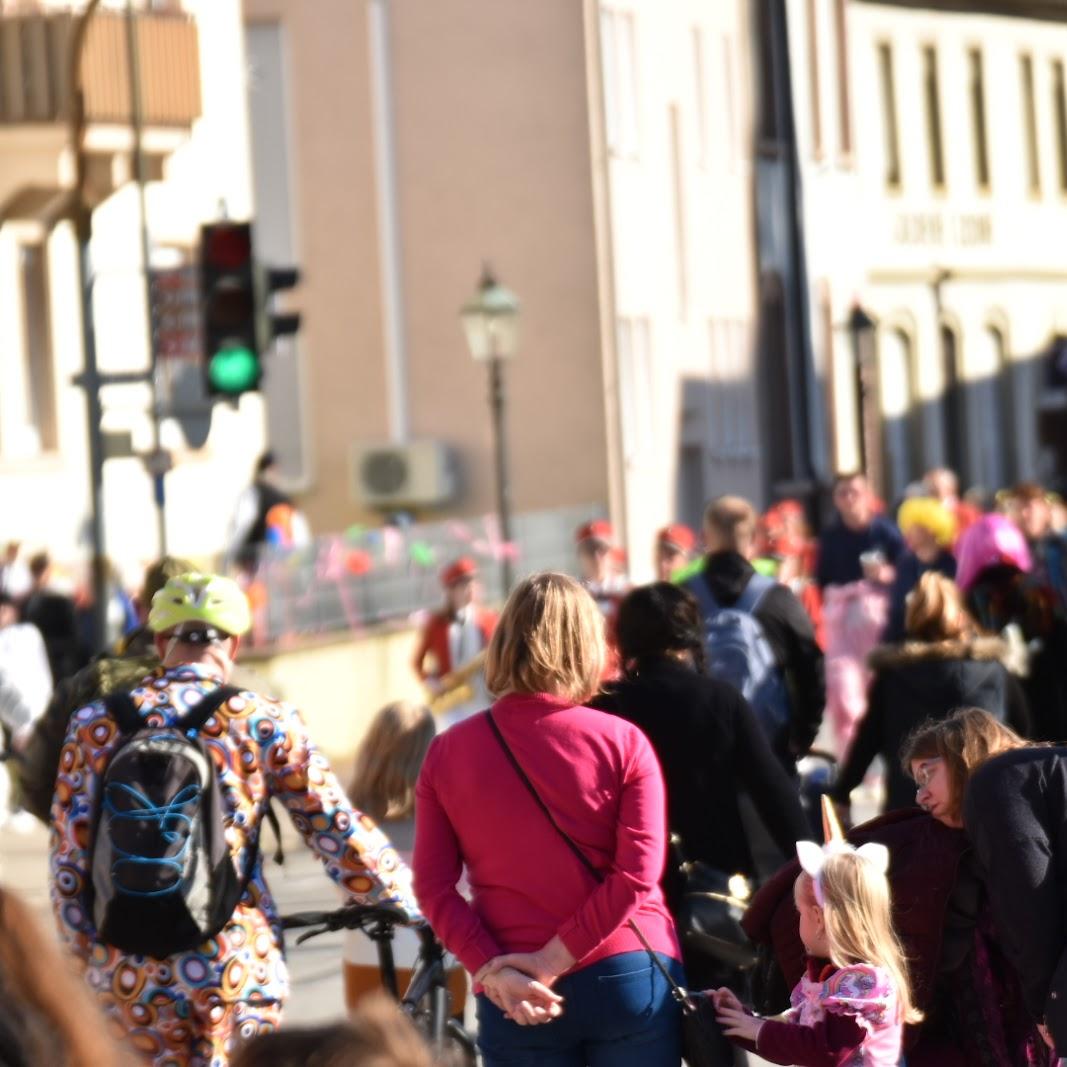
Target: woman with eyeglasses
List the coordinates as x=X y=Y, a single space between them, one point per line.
x=964 y=982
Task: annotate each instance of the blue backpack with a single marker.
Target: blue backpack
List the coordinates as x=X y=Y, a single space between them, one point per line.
x=739 y=652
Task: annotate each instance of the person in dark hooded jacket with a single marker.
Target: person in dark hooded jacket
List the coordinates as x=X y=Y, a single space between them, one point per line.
x=942 y=666
x=729 y=532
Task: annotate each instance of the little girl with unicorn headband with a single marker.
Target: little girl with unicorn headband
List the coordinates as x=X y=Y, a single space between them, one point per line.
x=852 y=1004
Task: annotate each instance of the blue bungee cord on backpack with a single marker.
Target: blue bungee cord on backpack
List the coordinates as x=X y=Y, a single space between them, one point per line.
x=168 y=817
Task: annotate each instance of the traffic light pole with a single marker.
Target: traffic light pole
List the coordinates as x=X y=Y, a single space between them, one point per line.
x=82 y=220
x=133 y=64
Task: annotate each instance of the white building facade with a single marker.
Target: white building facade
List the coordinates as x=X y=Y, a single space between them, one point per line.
x=941 y=214
x=679 y=229
x=196 y=146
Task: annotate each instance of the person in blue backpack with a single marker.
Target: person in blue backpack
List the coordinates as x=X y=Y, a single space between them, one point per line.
x=157 y=884
x=758 y=636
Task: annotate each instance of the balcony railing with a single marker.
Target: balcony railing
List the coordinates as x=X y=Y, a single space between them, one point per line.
x=35 y=68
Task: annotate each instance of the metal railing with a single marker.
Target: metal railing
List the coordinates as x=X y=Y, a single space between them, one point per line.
x=369 y=577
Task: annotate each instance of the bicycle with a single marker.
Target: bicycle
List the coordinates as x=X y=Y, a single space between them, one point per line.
x=427 y=1000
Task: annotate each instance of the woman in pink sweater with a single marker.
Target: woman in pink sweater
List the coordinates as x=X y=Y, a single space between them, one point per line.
x=561 y=978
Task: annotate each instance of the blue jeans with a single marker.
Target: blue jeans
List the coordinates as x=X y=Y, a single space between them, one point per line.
x=617 y=1012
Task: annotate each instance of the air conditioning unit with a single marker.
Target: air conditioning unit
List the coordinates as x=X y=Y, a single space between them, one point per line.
x=420 y=474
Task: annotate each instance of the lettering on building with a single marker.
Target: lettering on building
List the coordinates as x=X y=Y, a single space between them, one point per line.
x=937 y=229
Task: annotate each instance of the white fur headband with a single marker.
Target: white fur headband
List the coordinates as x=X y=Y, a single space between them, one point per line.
x=813 y=858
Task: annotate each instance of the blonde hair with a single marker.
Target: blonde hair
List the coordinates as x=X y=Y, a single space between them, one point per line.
x=732 y=519
x=935 y=610
x=965 y=740
x=859 y=924
x=389 y=760
x=550 y=639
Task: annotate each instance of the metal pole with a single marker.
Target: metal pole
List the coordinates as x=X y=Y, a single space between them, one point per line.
x=82 y=220
x=503 y=488
x=133 y=65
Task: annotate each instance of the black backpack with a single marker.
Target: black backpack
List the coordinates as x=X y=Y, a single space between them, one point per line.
x=163 y=879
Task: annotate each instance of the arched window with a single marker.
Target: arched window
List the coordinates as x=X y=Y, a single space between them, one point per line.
x=953 y=408
x=901 y=443
x=1005 y=406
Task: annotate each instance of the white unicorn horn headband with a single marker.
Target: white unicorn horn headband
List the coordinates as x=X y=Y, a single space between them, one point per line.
x=813 y=856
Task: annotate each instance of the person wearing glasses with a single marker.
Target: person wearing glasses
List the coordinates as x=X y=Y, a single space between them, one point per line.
x=195 y=1006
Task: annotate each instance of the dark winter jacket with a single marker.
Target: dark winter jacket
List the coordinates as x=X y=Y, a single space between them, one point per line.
x=921 y=680
x=909 y=569
x=791 y=636
x=710 y=746
x=924 y=856
x=1015 y=811
x=840 y=549
x=1003 y=596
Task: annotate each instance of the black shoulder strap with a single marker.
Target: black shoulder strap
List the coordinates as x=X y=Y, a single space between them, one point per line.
x=199 y=713
x=123 y=709
x=127 y=713
x=677 y=991
x=585 y=860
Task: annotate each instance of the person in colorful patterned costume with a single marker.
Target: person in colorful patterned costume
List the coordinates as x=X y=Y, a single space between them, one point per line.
x=850 y=1007
x=193 y=1009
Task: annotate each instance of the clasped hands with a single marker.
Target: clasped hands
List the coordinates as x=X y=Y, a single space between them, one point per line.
x=520 y=983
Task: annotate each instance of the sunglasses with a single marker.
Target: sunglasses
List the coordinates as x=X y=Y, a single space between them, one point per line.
x=207 y=635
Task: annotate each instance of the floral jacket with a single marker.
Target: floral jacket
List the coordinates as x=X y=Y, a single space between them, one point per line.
x=261 y=750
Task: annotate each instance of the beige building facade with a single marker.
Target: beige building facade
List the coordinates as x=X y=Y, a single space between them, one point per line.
x=597 y=155
x=942 y=218
x=197 y=152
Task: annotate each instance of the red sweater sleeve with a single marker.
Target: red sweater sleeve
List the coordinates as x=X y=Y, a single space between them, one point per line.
x=830 y=1043
x=438 y=867
x=640 y=853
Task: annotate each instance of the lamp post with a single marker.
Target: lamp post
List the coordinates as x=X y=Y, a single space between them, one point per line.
x=861 y=328
x=491 y=322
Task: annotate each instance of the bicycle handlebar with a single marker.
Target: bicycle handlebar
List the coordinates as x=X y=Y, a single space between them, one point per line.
x=348 y=917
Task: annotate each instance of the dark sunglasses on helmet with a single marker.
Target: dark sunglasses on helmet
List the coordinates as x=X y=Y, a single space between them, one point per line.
x=200 y=635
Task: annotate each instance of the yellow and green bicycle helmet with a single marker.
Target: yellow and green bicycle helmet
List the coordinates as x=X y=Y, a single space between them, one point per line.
x=206 y=598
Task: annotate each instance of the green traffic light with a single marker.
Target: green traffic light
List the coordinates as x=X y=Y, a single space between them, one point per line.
x=234 y=370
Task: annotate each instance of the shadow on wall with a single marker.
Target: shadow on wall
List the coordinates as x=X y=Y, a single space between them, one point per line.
x=993 y=431
x=719 y=446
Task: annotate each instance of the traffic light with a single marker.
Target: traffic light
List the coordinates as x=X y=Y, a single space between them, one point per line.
x=278 y=324
x=229 y=309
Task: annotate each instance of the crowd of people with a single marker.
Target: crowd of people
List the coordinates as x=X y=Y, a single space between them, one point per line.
x=594 y=744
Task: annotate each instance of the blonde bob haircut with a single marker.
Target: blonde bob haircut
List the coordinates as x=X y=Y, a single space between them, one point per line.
x=550 y=639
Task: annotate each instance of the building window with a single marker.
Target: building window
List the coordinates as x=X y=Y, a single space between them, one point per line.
x=902 y=443
x=700 y=96
x=814 y=86
x=1033 y=158
x=636 y=389
x=953 y=411
x=678 y=195
x=1059 y=110
x=996 y=402
x=619 y=68
x=889 y=116
x=731 y=100
x=978 y=119
x=39 y=378
x=932 y=98
x=844 y=104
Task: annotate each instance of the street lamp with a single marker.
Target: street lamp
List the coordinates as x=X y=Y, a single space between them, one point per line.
x=862 y=328
x=491 y=322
